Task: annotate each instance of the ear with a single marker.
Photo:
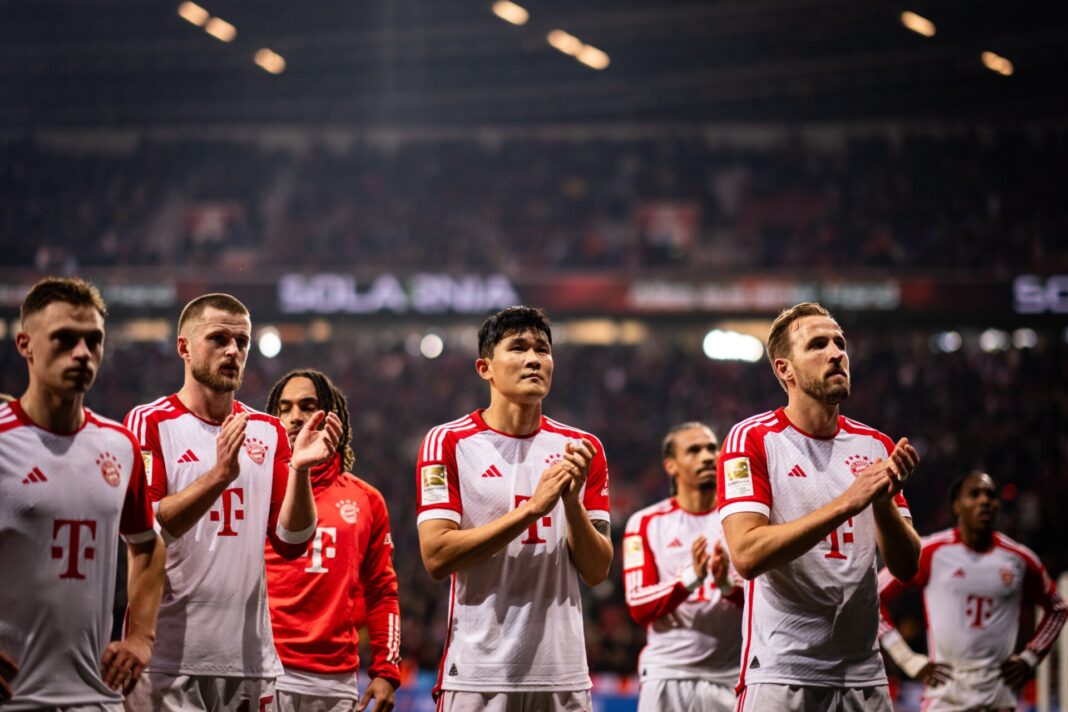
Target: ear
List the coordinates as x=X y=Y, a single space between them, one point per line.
x=183 y=347
x=671 y=467
x=955 y=506
x=484 y=369
x=784 y=369
x=22 y=343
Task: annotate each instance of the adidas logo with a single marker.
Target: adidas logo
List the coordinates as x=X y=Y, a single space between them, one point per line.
x=492 y=472
x=675 y=543
x=453 y=671
x=959 y=573
x=35 y=476
x=796 y=472
x=755 y=664
x=188 y=456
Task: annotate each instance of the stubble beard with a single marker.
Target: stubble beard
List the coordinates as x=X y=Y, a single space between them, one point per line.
x=825 y=392
x=216 y=382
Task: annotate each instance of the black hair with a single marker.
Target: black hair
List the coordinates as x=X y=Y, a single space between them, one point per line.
x=958 y=484
x=509 y=321
x=330 y=399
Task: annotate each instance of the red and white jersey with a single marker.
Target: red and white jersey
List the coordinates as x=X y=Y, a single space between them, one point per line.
x=515 y=619
x=692 y=630
x=64 y=501
x=214 y=617
x=814 y=620
x=346 y=579
x=974 y=600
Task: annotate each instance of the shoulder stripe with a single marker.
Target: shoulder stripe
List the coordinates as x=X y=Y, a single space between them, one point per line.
x=432 y=444
x=1029 y=557
x=135 y=419
x=563 y=426
x=738 y=434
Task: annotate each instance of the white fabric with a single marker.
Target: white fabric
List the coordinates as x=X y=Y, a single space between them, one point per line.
x=814 y=620
x=294 y=702
x=685 y=696
x=56 y=596
x=160 y=692
x=766 y=697
x=320 y=684
x=564 y=701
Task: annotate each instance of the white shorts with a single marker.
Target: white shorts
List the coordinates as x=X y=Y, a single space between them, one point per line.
x=684 y=696
x=976 y=689
x=295 y=702
x=160 y=692
x=456 y=701
x=762 y=697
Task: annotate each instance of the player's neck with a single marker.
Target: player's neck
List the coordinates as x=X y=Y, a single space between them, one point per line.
x=977 y=539
x=511 y=417
x=696 y=501
x=59 y=413
x=812 y=416
x=205 y=403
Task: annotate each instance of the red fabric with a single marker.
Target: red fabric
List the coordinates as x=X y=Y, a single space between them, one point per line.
x=346 y=580
x=649 y=599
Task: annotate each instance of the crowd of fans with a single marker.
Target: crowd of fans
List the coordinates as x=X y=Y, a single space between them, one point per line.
x=986 y=202
x=1003 y=411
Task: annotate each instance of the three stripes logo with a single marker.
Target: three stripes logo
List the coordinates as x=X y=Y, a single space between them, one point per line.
x=188 y=456
x=492 y=471
x=35 y=476
x=796 y=472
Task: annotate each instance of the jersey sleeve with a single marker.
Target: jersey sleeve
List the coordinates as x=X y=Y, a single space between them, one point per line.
x=649 y=598
x=1040 y=589
x=137 y=523
x=289 y=545
x=595 y=498
x=379 y=581
x=437 y=484
x=147 y=438
x=742 y=473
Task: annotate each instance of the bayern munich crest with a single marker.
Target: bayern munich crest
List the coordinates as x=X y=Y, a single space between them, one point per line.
x=348 y=510
x=256 y=450
x=1008 y=576
x=553 y=459
x=110 y=469
x=857 y=463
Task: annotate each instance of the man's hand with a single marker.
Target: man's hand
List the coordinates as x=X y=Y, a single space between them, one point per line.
x=381 y=691
x=720 y=568
x=699 y=553
x=935 y=674
x=313 y=446
x=902 y=463
x=8 y=671
x=124 y=661
x=1015 y=671
x=579 y=456
x=551 y=485
x=228 y=444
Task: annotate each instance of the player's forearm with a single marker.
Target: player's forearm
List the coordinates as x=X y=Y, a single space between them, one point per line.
x=899 y=544
x=179 y=512
x=590 y=550
x=448 y=551
x=757 y=549
x=144 y=587
x=298 y=512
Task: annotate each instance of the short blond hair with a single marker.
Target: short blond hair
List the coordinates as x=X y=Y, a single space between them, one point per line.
x=215 y=300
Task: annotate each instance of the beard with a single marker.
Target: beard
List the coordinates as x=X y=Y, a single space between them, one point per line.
x=216 y=381
x=824 y=391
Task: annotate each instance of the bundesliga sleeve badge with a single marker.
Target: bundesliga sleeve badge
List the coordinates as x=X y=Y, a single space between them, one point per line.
x=434 y=485
x=739 y=481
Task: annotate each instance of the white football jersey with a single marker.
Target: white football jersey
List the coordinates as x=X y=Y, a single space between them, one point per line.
x=692 y=630
x=515 y=619
x=214 y=618
x=64 y=501
x=973 y=602
x=814 y=620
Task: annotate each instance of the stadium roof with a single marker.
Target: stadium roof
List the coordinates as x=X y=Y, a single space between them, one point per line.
x=454 y=63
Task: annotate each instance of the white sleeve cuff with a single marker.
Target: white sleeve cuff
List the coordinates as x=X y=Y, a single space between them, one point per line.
x=689 y=579
x=451 y=515
x=744 y=506
x=147 y=535
x=1030 y=657
x=599 y=514
x=899 y=651
x=298 y=537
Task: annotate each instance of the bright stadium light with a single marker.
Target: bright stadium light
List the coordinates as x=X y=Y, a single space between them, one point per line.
x=946 y=342
x=993 y=340
x=220 y=29
x=918 y=24
x=191 y=12
x=996 y=63
x=270 y=61
x=731 y=346
x=510 y=12
x=269 y=342
x=1025 y=338
x=593 y=57
x=565 y=42
x=431 y=346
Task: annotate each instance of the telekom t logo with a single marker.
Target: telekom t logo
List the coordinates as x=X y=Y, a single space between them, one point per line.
x=229 y=511
x=320 y=549
x=533 y=537
x=71 y=545
x=838 y=540
x=979 y=609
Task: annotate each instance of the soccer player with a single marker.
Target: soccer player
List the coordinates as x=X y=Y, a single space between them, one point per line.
x=514 y=507
x=71 y=483
x=976 y=582
x=679 y=585
x=319 y=602
x=223 y=478
x=806 y=498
